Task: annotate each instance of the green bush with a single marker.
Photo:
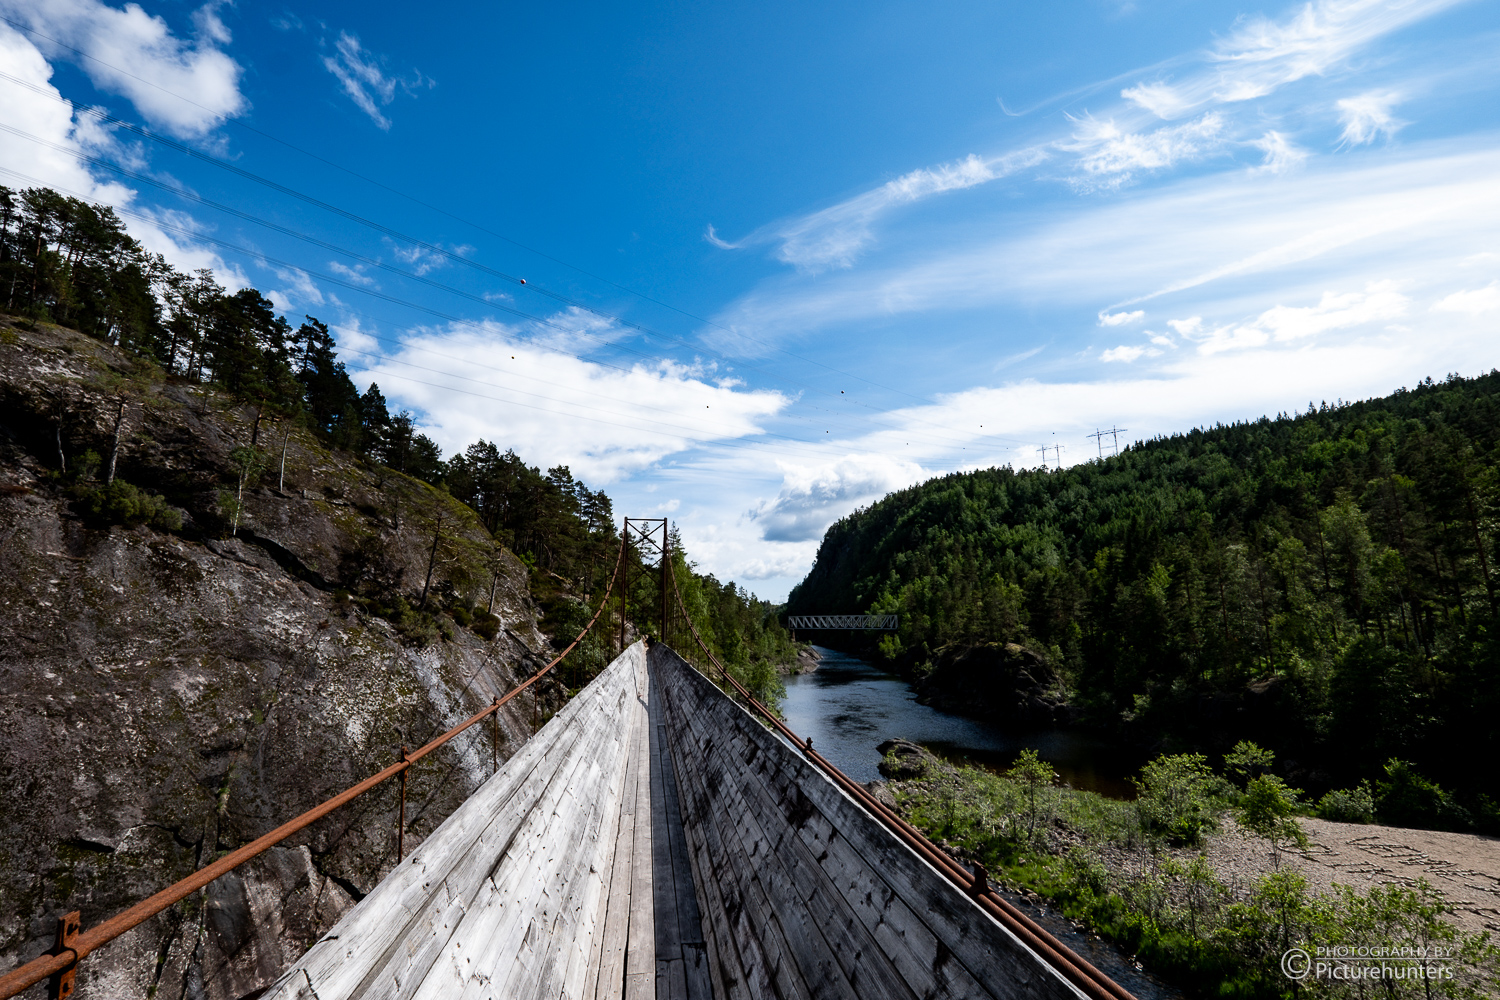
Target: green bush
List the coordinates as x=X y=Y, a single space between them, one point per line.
x=121 y=503
x=460 y=615
x=1180 y=798
x=486 y=626
x=1406 y=798
x=1349 y=805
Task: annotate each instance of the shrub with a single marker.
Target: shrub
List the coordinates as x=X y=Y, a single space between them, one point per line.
x=486 y=626
x=1269 y=808
x=1349 y=805
x=1406 y=798
x=460 y=615
x=121 y=503
x=1180 y=798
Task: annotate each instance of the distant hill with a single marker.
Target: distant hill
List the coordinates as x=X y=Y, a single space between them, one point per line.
x=1324 y=583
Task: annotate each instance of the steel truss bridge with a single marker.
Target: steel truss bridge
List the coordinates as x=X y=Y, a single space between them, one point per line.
x=842 y=621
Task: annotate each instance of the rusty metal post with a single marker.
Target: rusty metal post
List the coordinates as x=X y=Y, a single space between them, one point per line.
x=401 y=826
x=495 y=739
x=625 y=584
x=666 y=553
x=981 y=881
x=67 y=931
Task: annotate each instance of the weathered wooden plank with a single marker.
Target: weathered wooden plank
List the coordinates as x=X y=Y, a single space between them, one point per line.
x=814 y=953
x=610 y=974
x=583 y=982
x=780 y=810
x=354 y=955
x=743 y=966
x=752 y=919
x=688 y=922
x=720 y=954
x=492 y=928
x=640 y=946
x=515 y=945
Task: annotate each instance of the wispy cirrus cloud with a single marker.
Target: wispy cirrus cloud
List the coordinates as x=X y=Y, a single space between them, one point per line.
x=1110 y=156
x=365 y=80
x=835 y=236
x=1472 y=301
x=1368 y=116
x=1263 y=54
x=1107 y=150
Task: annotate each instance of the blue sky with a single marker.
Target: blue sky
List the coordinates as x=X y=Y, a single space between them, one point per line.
x=783 y=259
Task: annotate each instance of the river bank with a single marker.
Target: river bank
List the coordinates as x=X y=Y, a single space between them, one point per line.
x=1217 y=911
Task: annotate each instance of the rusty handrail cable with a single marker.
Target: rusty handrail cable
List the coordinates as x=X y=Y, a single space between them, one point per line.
x=1074 y=967
x=25 y=976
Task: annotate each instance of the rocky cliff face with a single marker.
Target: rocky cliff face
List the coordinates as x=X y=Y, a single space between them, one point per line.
x=166 y=696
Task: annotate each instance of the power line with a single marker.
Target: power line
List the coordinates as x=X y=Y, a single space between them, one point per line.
x=297 y=234
x=291 y=192
x=354 y=255
x=199 y=237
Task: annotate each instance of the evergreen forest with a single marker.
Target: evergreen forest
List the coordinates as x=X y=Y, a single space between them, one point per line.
x=1322 y=583
x=72 y=263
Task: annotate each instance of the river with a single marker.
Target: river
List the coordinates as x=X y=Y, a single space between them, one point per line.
x=849 y=706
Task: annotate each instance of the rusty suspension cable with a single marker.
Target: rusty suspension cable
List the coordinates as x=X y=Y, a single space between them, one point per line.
x=77 y=948
x=1074 y=967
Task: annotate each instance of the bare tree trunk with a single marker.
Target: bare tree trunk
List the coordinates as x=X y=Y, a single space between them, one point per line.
x=114 y=447
x=255 y=428
x=437 y=533
x=281 y=479
x=62 y=459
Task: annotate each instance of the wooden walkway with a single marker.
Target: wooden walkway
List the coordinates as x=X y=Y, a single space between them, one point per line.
x=655 y=840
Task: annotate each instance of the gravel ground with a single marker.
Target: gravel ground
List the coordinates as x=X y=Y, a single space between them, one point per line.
x=1464 y=867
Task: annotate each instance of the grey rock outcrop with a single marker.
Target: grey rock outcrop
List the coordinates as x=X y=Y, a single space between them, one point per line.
x=168 y=697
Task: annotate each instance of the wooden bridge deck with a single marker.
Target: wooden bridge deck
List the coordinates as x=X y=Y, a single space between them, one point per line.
x=655 y=840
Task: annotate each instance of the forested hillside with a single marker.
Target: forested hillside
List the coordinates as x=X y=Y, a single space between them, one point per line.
x=1322 y=583
x=72 y=263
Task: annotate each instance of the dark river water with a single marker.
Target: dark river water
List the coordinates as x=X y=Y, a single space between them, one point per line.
x=849 y=707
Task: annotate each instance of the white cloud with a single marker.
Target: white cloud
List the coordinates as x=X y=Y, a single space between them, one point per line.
x=712 y=237
x=1368 y=116
x=1121 y=318
x=1160 y=99
x=500 y=383
x=355 y=274
x=1124 y=353
x=301 y=295
x=42 y=113
x=1472 y=302
x=1108 y=152
x=1280 y=154
x=421 y=259
x=365 y=81
x=187 y=88
x=814 y=496
x=834 y=237
x=1340 y=223
x=1379 y=303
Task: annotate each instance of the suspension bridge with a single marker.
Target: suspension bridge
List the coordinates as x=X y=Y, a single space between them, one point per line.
x=664 y=835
